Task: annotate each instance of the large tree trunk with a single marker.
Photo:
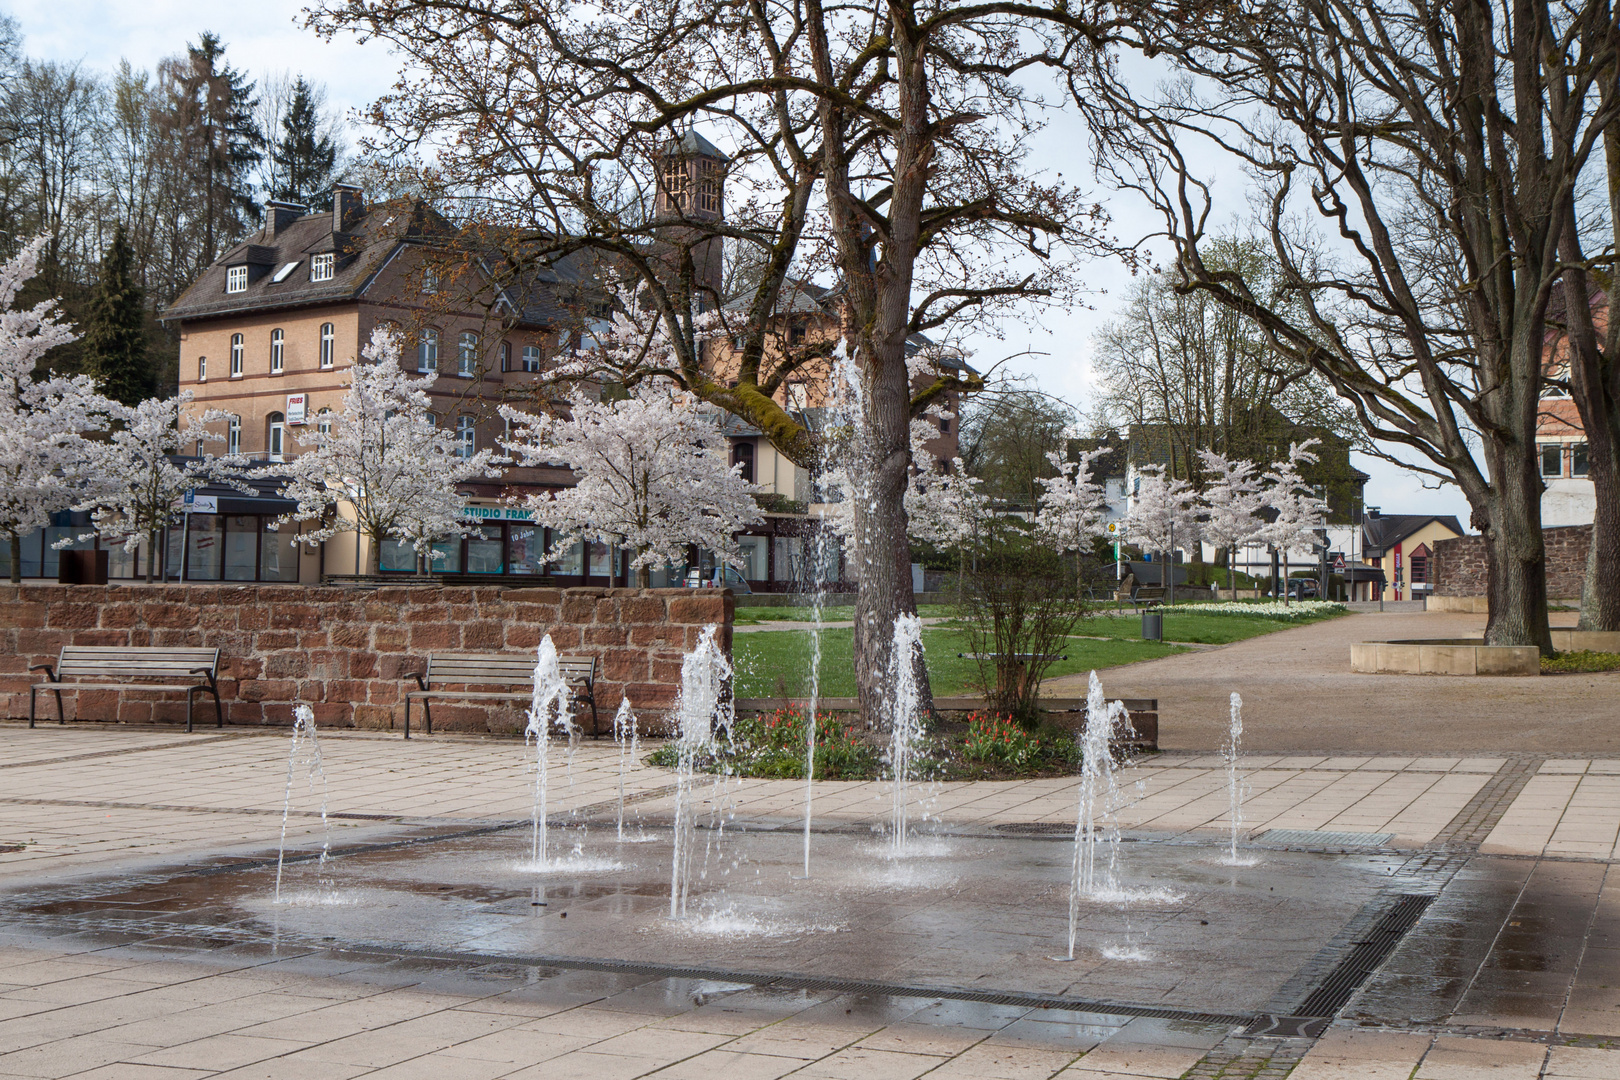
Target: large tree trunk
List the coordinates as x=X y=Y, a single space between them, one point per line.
x=882 y=548
x=1516 y=561
x=373 y=554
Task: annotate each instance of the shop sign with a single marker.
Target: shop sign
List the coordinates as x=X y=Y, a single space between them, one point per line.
x=496 y=513
x=296 y=407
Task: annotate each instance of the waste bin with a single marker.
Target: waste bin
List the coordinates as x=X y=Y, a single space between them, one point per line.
x=1152 y=626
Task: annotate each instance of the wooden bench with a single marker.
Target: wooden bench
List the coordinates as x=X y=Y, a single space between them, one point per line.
x=497 y=669
x=1146 y=596
x=121 y=667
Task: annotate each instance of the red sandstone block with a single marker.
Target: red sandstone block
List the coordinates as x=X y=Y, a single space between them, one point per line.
x=400 y=595
x=578 y=609
x=458 y=595
x=395 y=667
x=624 y=665
x=427 y=613
x=656 y=634
x=244 y=712
x=286 y=665
x=312 y=639
x=15 y=614
x=483 y=636
x=215 y=618
x=463 y=613
x=697 y=609
x=138 y=712
x=252 y=617
x=349 y=636
x=389 y=639
x=267 y=690
x=550 y=597
x=378 y=692
x=606 y=635
x=382 y=613
x=373 y=717
x=642 y=609
x=268 y=641
x=439 y=637
x=169 y=615
x=523 y=637
x=666 y=671
x=331 y=714
x=607 y=611
x=42 y=642
x=294 y=617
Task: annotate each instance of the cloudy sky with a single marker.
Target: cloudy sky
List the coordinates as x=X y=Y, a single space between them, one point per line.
x=268 y=36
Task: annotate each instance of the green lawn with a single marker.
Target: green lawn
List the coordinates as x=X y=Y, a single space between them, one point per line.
x=753 y=616
x=1188 y=625
x=775 y=663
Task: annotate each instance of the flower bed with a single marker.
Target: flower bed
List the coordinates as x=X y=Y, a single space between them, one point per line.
x=1297 y=609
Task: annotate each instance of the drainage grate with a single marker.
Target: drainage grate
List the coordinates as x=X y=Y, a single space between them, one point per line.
x=1321 y=838
x=1328 y=998
x=1035 y=828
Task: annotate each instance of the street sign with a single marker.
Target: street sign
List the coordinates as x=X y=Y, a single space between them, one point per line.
x=1338 y=562
x=200 y=504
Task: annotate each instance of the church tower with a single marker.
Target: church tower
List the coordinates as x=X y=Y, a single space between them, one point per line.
x=691 y=187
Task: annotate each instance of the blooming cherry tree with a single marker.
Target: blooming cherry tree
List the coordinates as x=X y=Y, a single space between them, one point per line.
x=1300 y=512
x=1073 y=506
x=1162 y=507
x=653 y=476
x=1232 y=502
x=43 y=451
x=385 y=458
x=140 y=476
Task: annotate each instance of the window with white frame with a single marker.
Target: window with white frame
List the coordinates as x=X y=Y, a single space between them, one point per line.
x=236 y=356
x=233 y=435
x=430 y=280
x=236 y=279
x=321 y=266
x=467 y=354
x=202 y=369
x=427 y=350
x=1552 y=459
x=323 y=421
x=278 y=342
x=465 y=436
x=506 y=356
x=328 y=341
x=531 y=358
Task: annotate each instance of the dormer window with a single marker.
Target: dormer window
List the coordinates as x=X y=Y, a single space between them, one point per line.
x=284 y=273
x=236 y=279
x=321 y=266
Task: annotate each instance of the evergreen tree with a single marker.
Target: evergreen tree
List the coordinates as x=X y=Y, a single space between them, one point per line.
x=307 y=155
x=209 y=117
x=115 y=327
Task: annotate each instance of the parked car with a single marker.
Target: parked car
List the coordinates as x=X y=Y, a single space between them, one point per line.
x=1302 y=589
x=719 y=577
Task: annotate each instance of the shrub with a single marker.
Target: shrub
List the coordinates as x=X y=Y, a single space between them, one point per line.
x=772 y=745
x=1584 y=660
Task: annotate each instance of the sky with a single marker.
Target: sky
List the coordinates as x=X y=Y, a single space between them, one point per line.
x=268 y=36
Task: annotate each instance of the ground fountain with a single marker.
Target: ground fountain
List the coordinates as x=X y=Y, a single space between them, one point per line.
x=548 y=707
x=818 y=597
x=628 y=740
x=905 y=723
x=704 y=704
x=1235 y=784
x=305 y=751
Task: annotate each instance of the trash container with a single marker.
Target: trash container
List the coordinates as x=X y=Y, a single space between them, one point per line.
x=1152 y=626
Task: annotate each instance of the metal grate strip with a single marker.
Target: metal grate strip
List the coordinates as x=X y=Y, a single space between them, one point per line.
x=1348 y=975
x=1324 y=838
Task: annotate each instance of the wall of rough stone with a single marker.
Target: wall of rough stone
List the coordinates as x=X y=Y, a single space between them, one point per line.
x=1459 y=563
x=348 y=651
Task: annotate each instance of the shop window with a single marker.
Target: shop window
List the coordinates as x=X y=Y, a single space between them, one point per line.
x=525 y=549
x=755 y=556
x=278 y=553
x=241 y=548
x=572 y=562
x=486 y=551
x=1552 y=459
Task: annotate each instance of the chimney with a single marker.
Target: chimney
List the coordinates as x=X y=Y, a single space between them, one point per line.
x=278 y=215
x=1372 y=511
x=348 y=203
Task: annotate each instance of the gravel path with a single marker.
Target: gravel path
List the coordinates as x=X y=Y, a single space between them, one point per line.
x=1299 y=695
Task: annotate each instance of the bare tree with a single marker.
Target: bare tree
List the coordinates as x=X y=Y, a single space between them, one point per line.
x=881 y=145
x=1439 y=150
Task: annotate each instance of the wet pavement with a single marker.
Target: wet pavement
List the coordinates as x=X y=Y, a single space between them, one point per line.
x=1482 y=940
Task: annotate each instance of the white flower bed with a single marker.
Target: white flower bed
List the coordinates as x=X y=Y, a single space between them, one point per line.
x=1269 y=610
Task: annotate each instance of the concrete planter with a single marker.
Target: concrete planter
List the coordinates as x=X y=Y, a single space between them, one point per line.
x=1586 y=640
x=1444 y=656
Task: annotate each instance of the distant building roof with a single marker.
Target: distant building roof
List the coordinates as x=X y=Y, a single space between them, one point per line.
x=1384 y=531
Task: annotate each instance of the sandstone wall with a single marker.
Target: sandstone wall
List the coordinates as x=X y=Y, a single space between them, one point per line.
x=348 y=652
x=1459 y=563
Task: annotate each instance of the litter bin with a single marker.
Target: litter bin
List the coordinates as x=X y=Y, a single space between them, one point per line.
x=1152 y=626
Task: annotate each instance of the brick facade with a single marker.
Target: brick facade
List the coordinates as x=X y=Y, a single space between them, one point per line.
x=348 y=652
x=1459 y=563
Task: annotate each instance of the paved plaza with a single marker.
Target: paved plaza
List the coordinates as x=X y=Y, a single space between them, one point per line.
x=139 y=939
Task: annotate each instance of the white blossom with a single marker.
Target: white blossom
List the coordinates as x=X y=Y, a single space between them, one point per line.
x=141 y=474
x=1300 y=512
x=1273 y=610
x=43 y=452
x=384 y=456
x=1074 y=504
x=1162 y=511
x=652 y=470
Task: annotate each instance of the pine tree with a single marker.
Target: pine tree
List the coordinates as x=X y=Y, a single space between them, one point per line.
x=307 y=155
x=115 y=328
